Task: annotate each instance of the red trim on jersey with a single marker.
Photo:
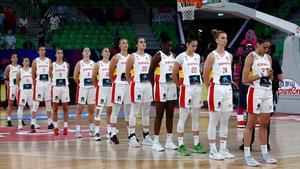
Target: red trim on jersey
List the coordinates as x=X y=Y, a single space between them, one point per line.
x=19 y=93
x=77 y=94
x=250 y=100
x=211 y=98
x=156 y=78
x=113 y=91
x=157 y=92
x=132 y=92
x=97 y=94
x=34 y=88
x=182 y=96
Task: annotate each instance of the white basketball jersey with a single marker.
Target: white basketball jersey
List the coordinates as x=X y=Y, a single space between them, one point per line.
x=60 y=74
x=121 y=67
x=26 y=79
x=191 y=69
x=13 y=70
x=221 y=68
x=42 y=70
x=103 y=74
x=85 y=76
x=166 y=67
x=141 y=67
x=259 y=66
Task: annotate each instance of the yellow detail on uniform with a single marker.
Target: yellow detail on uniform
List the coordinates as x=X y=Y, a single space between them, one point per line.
x=211 y=74
x=157 y=71
x=132 y=72
x=181 y=74
x=115 y=72
x=251 y=74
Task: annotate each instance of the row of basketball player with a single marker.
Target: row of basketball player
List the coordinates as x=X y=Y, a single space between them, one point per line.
x=128 y=79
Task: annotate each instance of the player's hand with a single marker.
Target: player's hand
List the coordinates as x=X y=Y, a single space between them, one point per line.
x=269 y=72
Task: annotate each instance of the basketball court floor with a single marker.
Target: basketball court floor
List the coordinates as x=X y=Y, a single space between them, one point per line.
x=21 y=149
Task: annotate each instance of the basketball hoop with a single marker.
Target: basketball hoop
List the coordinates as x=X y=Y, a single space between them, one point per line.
x=188 y=7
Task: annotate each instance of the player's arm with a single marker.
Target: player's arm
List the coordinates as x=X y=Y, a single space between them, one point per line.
x=18 y=78
x=129 y=64
x=154 y=62
x=207 y=68
x=68 y=72
x=95 y=74
x=175 y=73
x=76 y=73
x=33 y=71
x=246 y=71
x=50 y=71
x=6 y=74
x=112 y=65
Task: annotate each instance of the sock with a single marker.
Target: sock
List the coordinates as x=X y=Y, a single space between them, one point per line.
x=20 y=121
x=78 y=128
x=180 y=141
x=113 y=131
x=247 y=152
x=264 y=149
x=33 y=121
x=212 y=147
x=145 y=130
x=108 y=128
x=169 y=137
x=196 y=140
x=223 y=145
x=132 y=130
x=92 y=126
x=156 y=138
x=8 y=118
x=128 y=130
x=49 y=121
x=55 y=124
x=97 y=129
x=65 y=124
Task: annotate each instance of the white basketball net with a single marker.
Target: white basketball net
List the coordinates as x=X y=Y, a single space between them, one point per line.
x=187 y=9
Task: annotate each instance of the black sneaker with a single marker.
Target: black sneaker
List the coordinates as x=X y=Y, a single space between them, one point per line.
x=23 y=123
x=114 y=139
x=50 y=127
x=32 y=129
x=97 y=137
x=9 y=124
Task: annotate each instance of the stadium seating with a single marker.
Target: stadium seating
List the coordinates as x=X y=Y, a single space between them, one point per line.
x=167 y=27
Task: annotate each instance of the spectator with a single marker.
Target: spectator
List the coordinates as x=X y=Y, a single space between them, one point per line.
x=10 y=40
x=62 y=13
x=28 y=44
x=2 y=18
x=23 y=23
x=2 y=41
x=10 y=19
x=54 y=23
x=41 y=36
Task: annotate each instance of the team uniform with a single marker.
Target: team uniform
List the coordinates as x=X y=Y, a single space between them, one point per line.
x=120 y=86
x=13 y=86
x=86 y=90
x=220 y=90
x=140 y=87
x=42 y=88
x=60 y=83
x=260 y=97
x=25 y=92
x=103 y=93
x=164 y=87
x=190 y=77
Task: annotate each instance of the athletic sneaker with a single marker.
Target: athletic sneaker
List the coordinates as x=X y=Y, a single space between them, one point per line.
x=32 y=129
x=56 y=131
x=147 y=141
x=91 y=133
x=133 y=141
x=9 y=124
x=182 y=150
x=170 y=145
x=199 y=149
x=215 y=155
x=78 y=135
x=250 y=161
x=23 y=123
x=157 y=147
x=37 y=126
x=241 y=124
x=20 y=126
x=108 y=135
x=267 y=158
x=227 y=154
x=114 y=139
x=65 y=131
x=51 y=126
x=97 y=137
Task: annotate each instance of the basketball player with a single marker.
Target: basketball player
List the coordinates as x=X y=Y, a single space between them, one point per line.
x=140 y=91
x=258 y=73
x=120 y=88
x=25 y=93
x=60 y=89
x=85 y=90
x=42 y=86
x=165 y=91
x=218 y=64
x=190 y=94
x=103 y=92
x=12 y=87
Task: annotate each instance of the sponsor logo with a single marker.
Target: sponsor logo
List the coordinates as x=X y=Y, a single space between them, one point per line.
x=289 y=87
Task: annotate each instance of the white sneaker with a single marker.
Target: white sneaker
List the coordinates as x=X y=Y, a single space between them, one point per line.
x=92 y=133
x=215 y=155
x=227 y=154
x=37 y=126
x=147 y=141
x=78 y=135
x=20 y=126
x=157 y=147
x=133 y=142
x=97 y=137
x=170 y=145
x=267 y=158
x=250 y=161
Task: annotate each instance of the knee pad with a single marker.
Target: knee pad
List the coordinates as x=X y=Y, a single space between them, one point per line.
x=183 y=114
x=20 y=111
x=133 y=113
x=224 y=118
x=195 y=119
x=212 y=125
x=127 y=111
x=35 y=106
x=145 y=108
x=48 y=106
x=114 y=113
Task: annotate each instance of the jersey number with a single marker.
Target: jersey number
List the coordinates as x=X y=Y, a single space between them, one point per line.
x=194 y=69
x=224 y=69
